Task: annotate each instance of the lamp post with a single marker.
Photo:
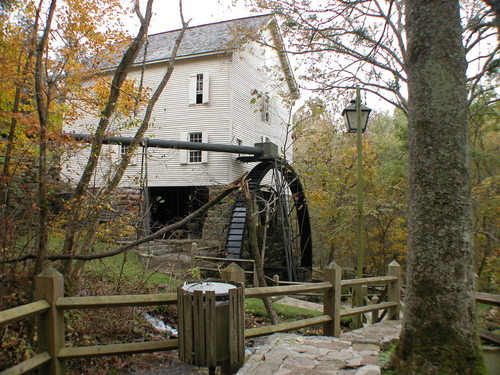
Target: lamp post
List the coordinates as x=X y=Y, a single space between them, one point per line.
x=356 y=118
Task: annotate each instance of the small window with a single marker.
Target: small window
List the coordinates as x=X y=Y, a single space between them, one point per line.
x=124 y=149
x=239 y=142
x=195 y=155
x=199 y=88
x=265 y=108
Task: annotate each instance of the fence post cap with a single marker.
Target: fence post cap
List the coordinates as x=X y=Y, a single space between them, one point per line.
x=332 y=265
x=394 y=263
x=50 y=272
x=233 y=267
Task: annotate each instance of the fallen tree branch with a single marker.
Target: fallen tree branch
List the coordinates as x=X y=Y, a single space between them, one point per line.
x=228 y=190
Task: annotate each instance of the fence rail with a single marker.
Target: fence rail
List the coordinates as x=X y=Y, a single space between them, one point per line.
x=51 y=304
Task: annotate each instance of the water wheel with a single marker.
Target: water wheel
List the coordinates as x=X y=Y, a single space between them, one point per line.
x=284 y=230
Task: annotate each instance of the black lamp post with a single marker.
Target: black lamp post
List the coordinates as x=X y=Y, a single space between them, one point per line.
x=356 y=118
x=350 y=116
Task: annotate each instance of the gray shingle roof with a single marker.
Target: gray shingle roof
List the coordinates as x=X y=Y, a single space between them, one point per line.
x=214 y=37
x=198 y=40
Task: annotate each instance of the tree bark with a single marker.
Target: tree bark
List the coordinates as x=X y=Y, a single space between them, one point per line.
x=253 y=242
x=439 y=334
x=42 y=108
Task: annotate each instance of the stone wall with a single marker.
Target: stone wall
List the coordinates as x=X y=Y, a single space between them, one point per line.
x=217 y=218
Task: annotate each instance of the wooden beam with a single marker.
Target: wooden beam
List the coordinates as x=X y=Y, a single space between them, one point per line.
x=116 y=301
x=490 y=336
x=488 y=298
x=28 y=365
x=283 y=327
x=284 y=290
x=23 y=312
x=114 y=349
x=369 y=280
x=369 y=308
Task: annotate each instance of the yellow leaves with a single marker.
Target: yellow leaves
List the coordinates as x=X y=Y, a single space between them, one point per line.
x=96 y=94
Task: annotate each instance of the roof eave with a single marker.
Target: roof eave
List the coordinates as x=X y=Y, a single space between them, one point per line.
x=183 y=57
x=285 y=63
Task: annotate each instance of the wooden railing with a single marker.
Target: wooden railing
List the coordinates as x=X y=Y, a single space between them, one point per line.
x=222 y=261
x=492 y=300
x=51 y=304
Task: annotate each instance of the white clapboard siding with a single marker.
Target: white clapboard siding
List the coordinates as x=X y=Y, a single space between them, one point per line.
x=225 y=116
x=250 y=77
x=174 y=115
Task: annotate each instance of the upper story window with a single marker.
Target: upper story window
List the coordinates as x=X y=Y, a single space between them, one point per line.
x=265 y=110
x=199 y=88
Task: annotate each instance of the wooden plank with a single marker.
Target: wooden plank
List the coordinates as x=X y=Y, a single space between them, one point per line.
x=288 y=326
x=198 y=328
x=28 y=365
x=49 y=285
x=218 y=270
x=188 y=327
x=116 y=301
x=331 y=300
x=224 y=259
x=22 y=312
x=369 y=280
x=488 y=298
x=369 y=308
x=394 y=289
x=210 y=330
x=180 y=324
x=490 y=336
x=114 y=349
x=236 y=330
x=284 y=290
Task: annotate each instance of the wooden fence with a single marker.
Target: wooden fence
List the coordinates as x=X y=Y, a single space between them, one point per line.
x=50 y=305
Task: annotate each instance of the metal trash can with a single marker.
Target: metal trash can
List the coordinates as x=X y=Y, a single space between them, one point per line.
x=211 y=324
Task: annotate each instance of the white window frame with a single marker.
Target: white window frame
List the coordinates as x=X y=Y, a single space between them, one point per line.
x=184 y=155
x=265 y=109
x=199 y=88
x=123 y=149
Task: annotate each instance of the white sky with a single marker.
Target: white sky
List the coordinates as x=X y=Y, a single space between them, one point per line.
x=166 y=13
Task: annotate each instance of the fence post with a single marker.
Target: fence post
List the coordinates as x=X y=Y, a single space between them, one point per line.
x=255 y=277
x=193 y=253
x=394 y=289
x=375 y=300
x=49 y=285
x=364 y=296
x=276 y=280
x=233 y=272
x=331 y=301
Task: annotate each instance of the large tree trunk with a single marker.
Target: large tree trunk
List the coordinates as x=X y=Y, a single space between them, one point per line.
x=439 y=334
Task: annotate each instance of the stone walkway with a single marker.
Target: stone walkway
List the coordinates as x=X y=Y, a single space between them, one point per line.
x=354 y=353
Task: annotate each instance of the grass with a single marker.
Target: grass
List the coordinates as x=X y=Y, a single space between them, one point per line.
x=255 y=306
x=127 y=267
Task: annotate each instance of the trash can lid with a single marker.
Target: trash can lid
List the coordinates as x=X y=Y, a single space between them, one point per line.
x=220 y=289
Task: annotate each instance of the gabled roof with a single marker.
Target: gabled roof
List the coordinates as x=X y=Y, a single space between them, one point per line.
x=213 y=38
x=201 y=40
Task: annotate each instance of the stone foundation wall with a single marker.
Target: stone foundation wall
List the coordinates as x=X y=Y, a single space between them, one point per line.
x=217 y=218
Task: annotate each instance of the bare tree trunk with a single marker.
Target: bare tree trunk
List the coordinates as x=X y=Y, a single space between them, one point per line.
x=118 y=79
x=254 y=246
x=42 y=107
x=74 y=273
x=439 y=333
